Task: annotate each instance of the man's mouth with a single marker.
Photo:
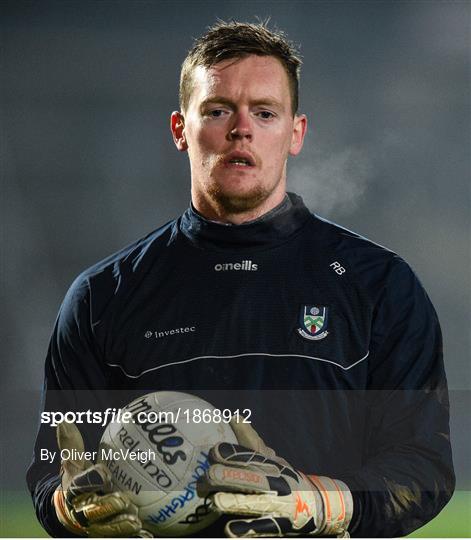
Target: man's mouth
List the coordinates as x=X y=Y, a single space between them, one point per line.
x=242 y=162
x=239 y=159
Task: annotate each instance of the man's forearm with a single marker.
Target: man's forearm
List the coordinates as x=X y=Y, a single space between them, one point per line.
x=42 y=499
x=388 y=504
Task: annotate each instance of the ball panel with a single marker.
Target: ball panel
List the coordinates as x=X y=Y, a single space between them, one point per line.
x=170 y=455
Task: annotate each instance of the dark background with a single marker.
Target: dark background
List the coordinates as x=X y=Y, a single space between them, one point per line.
x=88 y=164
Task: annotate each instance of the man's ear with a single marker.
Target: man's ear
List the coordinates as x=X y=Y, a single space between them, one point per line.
x=299 y=131
x=177 y=126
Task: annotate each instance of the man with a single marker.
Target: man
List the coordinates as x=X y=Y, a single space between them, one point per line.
x=328 y=337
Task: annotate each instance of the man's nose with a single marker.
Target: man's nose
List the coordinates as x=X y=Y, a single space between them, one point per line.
x=241 y=127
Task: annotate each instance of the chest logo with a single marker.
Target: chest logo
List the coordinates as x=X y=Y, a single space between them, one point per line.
x=313 y=322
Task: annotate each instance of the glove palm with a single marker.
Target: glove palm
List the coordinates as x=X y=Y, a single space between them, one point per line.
x=250 y=480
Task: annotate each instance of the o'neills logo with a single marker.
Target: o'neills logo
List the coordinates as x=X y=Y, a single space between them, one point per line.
x=244 y=265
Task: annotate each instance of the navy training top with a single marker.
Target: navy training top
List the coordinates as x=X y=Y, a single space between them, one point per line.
x=328 y=338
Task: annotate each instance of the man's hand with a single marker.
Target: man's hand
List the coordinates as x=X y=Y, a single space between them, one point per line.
x=250 y=480
x=84 y=502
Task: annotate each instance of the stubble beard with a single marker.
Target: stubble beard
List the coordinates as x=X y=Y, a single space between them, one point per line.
x=229 y=202
x=226 y=201
x=238 y=204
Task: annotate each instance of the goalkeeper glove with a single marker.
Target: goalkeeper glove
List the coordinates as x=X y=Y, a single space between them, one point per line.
x=250 y=480
x=84 y=502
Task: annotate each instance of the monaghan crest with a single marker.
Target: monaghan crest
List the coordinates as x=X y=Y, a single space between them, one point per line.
x=313 y=321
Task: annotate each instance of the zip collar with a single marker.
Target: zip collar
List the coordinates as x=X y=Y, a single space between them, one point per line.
x=274 y=227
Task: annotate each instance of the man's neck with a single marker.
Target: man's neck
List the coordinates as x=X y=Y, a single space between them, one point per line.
x=220 y=215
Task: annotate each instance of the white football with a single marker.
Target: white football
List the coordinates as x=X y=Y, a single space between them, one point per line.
x=158 y=456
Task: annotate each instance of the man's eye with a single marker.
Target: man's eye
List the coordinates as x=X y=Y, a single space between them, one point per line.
x=216 y=113
x=266 y=115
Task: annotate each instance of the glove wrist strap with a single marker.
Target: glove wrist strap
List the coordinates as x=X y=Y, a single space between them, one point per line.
x=338 y=505
x=63 y=514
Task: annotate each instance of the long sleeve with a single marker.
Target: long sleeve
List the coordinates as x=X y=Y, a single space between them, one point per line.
x=72 y=370
x=407 y=477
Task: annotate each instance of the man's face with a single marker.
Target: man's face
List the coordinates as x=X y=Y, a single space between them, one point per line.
x=239 y=129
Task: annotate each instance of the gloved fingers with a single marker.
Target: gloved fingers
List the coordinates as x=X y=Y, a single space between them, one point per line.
x=258 y=504
x=95 y=479
x=70 y=442
x=90 y=509
x=248 y=437
x=258 y=528
x=240 y=456
x=127 y=525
